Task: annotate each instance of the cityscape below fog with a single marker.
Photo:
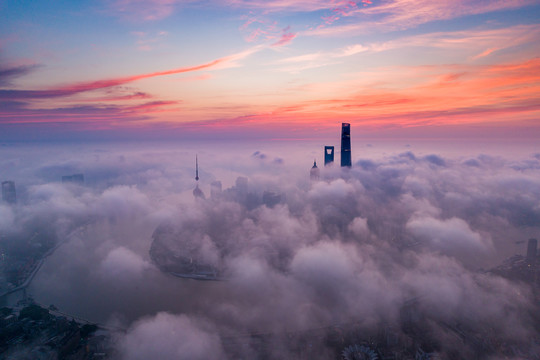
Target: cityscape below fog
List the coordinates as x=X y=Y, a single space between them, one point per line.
x=356 y=250
x=270 y=179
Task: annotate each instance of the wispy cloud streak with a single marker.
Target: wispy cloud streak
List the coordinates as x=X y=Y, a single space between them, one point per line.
x=71 y=89
x=466 y=41
x=440 y=95
x=9 y=73
x=406 y=14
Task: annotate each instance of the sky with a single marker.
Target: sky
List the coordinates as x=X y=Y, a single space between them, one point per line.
x=273 y=69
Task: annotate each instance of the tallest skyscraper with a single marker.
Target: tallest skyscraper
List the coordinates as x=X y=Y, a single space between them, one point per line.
x=346 y=145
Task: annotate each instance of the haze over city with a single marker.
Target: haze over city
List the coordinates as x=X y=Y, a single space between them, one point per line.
x=246 y=179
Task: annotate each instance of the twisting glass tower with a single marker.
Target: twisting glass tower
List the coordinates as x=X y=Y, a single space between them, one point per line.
x=346 y=145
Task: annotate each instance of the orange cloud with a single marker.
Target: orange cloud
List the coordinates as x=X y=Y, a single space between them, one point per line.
x=443 y=95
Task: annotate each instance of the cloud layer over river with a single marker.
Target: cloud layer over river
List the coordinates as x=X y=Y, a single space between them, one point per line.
x=352 y=247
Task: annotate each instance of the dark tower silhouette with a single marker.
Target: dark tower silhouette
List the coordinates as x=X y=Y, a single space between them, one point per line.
x=328 y=155
x=532 y=249
x=196 y=168
x=8 y=192
x=197 y=192
x=346 y=145
x=314 y=173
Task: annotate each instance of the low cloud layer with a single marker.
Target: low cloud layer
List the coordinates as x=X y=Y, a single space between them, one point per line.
x=350 y=248
x=171 y=336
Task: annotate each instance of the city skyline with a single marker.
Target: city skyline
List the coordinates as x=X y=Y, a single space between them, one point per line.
x=410 y=233
x=277 y=69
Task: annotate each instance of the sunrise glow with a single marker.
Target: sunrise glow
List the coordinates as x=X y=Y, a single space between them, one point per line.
x=274 y=68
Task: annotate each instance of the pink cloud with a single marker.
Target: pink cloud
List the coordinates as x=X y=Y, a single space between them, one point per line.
x=484 y=53
x=75 y=88
x=286 y=5
x=255 y=34
x=404 y=14
x=467 y=42
x=195 y=78
x=150 y=107
x=114 y=98
x=344 y=8
x=264 y=28
x=285 y=38
x=146 y=41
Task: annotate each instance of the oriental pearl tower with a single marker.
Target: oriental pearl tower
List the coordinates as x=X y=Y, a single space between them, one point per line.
x=197 y=193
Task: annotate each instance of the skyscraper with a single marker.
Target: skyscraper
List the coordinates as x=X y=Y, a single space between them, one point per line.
x=328 y=155
x=314 y=173
x=242 y=185
x=241 y=189
x=196 y=168
x=346 y=145
x=197 y=192
x=8 y=192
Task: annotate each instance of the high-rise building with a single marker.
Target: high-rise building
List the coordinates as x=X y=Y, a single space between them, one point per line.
x=196 y=168
x=242 y=185
x=197 y=193
x=8 y=192
x=75 y=178
x=271 y=199
x=346 y=145
x=314 y=173
x=240 y=190
x=328 y=155
x=532 y=251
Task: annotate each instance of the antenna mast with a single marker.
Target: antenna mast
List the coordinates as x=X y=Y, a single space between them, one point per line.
x=196 y=168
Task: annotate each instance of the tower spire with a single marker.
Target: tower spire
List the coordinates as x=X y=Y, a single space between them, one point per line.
x=197 y=192
x=196 y=168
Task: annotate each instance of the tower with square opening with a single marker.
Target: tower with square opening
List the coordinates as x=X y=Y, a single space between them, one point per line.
x=328 y=155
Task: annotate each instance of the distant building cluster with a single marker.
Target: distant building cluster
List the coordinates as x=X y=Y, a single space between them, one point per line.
x=346 y=156
x=30 y=331
x=9 y=195
x=239 y=192
x=346 y=159
x=522 y=268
